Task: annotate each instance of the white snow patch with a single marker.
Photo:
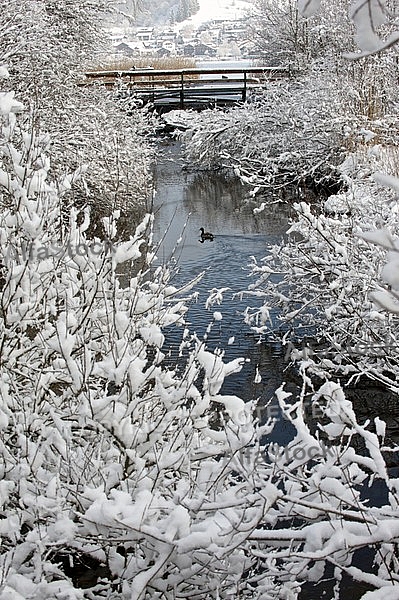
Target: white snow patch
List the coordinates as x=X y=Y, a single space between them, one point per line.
x=386 y=301
x=9 y=104
x=4 y=74
x=226 y=10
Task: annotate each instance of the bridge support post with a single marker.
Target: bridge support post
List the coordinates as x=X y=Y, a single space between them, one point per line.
x=244 y=89
x=182 y=91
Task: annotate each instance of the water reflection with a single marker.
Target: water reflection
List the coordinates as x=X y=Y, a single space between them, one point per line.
x=184 y=202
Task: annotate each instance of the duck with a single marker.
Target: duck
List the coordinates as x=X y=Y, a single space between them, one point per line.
x=205 y=235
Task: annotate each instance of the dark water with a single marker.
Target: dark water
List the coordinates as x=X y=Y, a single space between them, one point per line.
x=184 y=202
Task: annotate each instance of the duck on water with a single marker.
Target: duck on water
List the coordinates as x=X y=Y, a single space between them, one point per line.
x=205 y=235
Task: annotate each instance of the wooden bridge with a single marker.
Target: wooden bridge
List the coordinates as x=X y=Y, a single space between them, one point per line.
x=188 y=88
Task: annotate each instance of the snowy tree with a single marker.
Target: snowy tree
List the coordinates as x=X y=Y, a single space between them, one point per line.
x=374 y=21
x=283 y=36
x=47 y=47
x=185 y=9
x=326 y=271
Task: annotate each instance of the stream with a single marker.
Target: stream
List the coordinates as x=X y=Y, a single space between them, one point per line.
x=184 y=202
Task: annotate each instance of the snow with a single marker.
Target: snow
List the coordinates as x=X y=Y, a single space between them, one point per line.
x=260 y=208
x=9 y=593
x=385 y=300
x=153 y=335
x=178 y=119
x=258 y=376
x=226 y=10
x=387 y=592
x=390 y=271
x=387 y=180
x=9 y=104
x=235 y=407
x=337 y=204
x=4 y=74
x=381 y=237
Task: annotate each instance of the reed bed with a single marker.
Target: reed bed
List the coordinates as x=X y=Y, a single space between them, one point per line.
x=143 y=62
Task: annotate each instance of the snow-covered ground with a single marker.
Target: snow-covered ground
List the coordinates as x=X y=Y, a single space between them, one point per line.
x=228 y=10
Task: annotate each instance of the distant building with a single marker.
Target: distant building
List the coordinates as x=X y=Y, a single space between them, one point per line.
x=162 y=52
x=189 y=49
x=131 y=48
x=204 y=50
x=145 y=34
x=167 y=36
x=169 y=46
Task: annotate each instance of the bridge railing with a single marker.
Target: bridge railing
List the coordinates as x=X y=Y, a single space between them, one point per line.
x=148 y=82
x=153 y=74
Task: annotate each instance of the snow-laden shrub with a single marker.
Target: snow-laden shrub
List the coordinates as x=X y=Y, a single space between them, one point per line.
x=335 y=499
x=105 y=451
x=292 y=132
x=322 y=277
x=48 y=46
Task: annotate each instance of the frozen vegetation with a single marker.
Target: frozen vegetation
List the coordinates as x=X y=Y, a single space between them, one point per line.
x=112 y=457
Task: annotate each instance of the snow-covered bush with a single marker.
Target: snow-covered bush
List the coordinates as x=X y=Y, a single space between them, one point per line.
x=48 y=46
x=292 y=132
x=326 y=272
x=104 y=450
x=334 y=500
x=296 y=130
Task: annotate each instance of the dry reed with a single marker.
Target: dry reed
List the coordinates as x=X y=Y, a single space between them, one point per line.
x=141 y=62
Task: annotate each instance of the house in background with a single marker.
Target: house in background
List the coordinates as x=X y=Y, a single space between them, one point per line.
x=166 y=40
x=134 y=48
x=189 y=49
x=162 y=52
x=145 y=34
x=204 y=50
x=169 y=46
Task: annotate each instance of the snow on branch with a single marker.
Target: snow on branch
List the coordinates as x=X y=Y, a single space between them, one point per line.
x=368 y=17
